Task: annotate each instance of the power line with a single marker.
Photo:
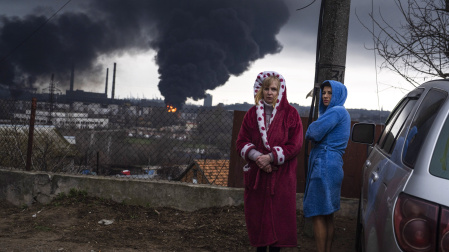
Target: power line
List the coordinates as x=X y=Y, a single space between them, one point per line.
x=306 y=6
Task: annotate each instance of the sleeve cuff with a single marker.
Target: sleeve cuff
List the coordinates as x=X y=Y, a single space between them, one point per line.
x=245 y=150
x=279 y=157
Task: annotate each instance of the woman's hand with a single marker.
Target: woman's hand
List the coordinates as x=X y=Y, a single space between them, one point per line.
x=267 y=168
x=263 y=160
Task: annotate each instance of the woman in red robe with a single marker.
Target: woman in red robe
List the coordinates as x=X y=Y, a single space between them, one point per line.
x=270 y=139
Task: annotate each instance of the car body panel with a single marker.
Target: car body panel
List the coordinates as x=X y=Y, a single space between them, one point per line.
x=385 y=174
x=379 y=199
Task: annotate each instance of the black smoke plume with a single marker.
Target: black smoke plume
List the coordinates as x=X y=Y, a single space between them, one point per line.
x=199 y=43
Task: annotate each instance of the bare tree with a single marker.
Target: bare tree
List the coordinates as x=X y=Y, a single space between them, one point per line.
x=419 y=47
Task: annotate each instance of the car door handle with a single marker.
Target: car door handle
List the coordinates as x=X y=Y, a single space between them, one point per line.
x=374 y=176
x=367 y=163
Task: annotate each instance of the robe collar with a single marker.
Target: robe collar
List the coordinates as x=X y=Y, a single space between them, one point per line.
x=281 y=101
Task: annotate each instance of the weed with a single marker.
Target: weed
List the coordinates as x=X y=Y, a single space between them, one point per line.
x=61 y=196
x=42 y=228
x=73 y=193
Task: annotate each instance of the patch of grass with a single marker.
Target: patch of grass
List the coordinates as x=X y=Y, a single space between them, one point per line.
x=73 y=193
x=60 y=196
x=42 y=228
x=72 y=196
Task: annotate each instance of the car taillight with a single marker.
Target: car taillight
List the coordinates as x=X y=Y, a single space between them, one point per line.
x=444 y=230
x=415 y=223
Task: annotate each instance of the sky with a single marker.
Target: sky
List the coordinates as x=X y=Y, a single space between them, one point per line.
x=369 y=86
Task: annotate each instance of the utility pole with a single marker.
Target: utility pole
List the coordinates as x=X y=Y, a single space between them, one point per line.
x=332 y=40
x=332 y=43
x=51 y=90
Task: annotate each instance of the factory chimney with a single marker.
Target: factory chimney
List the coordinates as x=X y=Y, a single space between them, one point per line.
x=208 y=101
x=113 y=82
x=106 y=85
x=72 y=77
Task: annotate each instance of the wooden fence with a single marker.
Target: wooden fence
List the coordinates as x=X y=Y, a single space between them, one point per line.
x=353 y=159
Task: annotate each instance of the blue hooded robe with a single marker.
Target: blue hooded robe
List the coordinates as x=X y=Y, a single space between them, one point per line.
x=329 y=135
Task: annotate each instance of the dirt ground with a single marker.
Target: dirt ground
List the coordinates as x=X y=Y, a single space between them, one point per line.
x=81 y=223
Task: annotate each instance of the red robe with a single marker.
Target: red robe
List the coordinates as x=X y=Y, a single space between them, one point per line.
x=270 y=198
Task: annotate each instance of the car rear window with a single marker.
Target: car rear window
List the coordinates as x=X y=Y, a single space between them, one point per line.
x=390 y=140
x=421 y=124
x=396 y=120
x=394 y=124
x=439 y=164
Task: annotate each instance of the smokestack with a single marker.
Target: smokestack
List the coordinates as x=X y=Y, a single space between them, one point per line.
x=208 y=101
x=52 y=95
x=106 y=85
x=113 y=82
x=72 y=77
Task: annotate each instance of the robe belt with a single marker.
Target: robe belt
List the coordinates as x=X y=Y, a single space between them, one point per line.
x=327 y=147
x=272 y=181
x=257 y=179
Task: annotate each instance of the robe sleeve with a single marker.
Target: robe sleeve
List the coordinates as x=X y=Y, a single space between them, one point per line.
x=291 y=148
x=254 y=154
x=244 y=141
x=323 y=125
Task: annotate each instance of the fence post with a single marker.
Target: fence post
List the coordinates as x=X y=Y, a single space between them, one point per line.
x=98 y=161
x=31 y=133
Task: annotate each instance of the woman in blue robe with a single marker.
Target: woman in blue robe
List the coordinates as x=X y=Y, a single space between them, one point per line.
x=329 y=135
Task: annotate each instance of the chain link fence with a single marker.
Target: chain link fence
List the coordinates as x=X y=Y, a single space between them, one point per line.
x=126 y=140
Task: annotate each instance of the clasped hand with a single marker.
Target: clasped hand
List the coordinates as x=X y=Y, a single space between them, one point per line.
x=263 y=161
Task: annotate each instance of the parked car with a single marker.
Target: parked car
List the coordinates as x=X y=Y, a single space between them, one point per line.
x=404 y=198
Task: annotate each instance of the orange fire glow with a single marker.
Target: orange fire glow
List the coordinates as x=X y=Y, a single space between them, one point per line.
x=171 y=109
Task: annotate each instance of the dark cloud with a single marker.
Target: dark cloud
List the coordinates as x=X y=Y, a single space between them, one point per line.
x=360 y=18
x=199 y=43
x=302 y=27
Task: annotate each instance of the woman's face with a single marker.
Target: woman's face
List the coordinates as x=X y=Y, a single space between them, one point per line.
x=327 y=95
x=270 y=93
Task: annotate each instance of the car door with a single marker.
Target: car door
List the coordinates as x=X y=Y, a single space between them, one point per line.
x=380 y=169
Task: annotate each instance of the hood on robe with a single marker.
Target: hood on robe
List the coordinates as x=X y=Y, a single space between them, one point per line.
x=281 y=103
x=339 y=95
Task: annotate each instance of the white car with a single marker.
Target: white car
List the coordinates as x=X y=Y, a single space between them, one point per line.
x=404 y=199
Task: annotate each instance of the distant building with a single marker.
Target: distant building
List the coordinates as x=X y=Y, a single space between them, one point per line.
x=82 y=96
x=55 y=151
x=210 y=171
x=63 y=119
x=208 y=101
